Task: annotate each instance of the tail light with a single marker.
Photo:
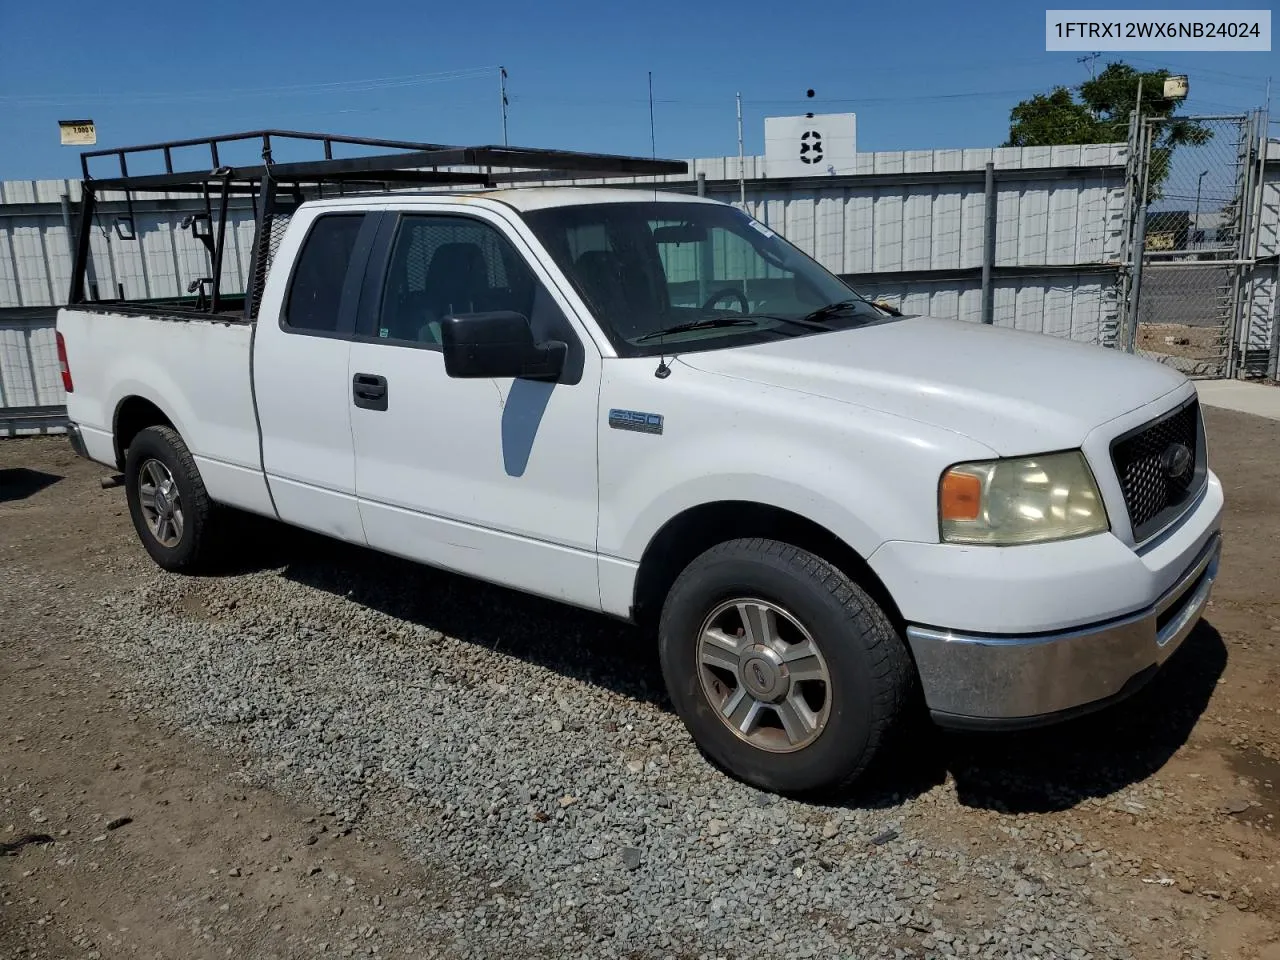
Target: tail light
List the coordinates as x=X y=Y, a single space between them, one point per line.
x=63 y=365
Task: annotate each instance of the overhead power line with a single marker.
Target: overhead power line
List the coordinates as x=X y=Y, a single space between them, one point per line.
x=284 y=90
x=795 y=101
x=1202 y=72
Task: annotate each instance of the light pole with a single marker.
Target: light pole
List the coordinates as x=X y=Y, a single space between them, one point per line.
x=1195 y=220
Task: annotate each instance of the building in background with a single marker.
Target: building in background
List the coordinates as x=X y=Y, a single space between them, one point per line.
x=1039 y=244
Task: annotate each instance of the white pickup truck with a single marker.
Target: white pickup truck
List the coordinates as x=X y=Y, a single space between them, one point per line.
x=651 y=405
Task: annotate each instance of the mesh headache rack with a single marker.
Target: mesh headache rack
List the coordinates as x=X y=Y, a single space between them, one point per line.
x=280 y=176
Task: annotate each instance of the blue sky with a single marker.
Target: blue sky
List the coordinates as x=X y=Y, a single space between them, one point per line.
x=919 y=75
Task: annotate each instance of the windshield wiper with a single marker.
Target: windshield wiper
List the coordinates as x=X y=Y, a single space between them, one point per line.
x=704 y=324
x=831 y=309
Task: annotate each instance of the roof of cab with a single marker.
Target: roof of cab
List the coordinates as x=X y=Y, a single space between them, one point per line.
x=535 y=198
x=528 y=198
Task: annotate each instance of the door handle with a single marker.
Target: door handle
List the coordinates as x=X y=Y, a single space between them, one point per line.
x=369 y=391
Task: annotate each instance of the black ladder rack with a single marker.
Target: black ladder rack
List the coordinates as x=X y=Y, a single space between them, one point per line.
x=409 y=164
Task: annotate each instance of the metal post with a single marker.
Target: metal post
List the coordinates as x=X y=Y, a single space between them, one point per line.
x=261 y=246
x=1195 y=220
x=742 y=176
x=1273 y=355
x=1124 y=275
x=218 y=246
x=1135 y=288
x=1249 y=249
x=1273 y=358
x=1139 y=247
x=989 y=245
x=1138 y=242
x=73 y=245
x=80 y=264
x=1241 y=290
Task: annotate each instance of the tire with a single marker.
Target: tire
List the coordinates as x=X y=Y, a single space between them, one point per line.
x=811 y=605
x=185 y=544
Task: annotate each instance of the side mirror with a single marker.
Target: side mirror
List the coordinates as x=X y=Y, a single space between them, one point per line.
x=498 y=344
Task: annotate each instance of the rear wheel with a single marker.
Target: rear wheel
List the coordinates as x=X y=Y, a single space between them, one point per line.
x=786 y=673
x=170 y=508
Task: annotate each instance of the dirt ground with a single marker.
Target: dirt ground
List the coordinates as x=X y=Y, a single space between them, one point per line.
x=1200 y=343
x=126 y=839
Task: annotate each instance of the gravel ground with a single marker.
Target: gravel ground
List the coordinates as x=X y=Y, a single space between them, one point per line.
x=598 y=826
x=336 y=753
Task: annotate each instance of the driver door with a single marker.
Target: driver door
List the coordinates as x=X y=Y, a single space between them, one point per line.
x=496 y=479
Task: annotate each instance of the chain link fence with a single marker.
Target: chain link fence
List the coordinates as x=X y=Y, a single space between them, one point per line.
x=1194 y=186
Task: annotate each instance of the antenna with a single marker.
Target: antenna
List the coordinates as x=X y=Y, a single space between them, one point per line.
x=502 y=87
x=653 y=147
x=742 y=176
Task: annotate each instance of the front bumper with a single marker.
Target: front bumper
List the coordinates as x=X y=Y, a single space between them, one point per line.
x=977 y=680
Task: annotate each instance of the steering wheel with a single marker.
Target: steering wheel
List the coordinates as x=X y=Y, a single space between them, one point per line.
x=727 y=292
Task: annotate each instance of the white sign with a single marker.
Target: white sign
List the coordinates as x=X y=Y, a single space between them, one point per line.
x=76 y=133
x=820 y=145
x=1175 y=88
x=1185 y=30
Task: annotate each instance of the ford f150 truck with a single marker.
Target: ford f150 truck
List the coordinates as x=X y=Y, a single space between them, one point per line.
x=652 y=405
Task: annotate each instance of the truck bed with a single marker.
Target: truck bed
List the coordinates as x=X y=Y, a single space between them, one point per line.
x=194 y=367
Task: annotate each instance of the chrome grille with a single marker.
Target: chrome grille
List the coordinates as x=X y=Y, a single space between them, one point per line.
x=1145 y=461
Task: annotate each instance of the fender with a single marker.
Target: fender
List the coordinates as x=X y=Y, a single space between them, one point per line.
x=821 y=508
x=130 y=389
x=864 y=486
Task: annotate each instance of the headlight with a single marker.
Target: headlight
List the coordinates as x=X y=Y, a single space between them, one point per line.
x=1022 y=500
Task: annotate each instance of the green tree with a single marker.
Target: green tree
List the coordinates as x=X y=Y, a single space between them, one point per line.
x=1098 y=111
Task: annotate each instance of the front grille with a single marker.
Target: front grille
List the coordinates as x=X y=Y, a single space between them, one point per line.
x=1145 y=461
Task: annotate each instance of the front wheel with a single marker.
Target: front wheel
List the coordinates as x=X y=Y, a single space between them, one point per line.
x=786 y=673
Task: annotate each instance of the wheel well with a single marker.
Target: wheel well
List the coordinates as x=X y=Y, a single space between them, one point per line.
x=700 y=528
x=133 y=415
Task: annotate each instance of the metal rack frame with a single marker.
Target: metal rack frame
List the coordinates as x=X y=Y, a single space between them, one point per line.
x=412 y=164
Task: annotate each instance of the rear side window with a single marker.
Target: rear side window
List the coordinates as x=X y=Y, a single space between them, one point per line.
x=442 y=265
x=315 y=293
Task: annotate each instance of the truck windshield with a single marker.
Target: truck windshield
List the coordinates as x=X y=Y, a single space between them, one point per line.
x=660 y=275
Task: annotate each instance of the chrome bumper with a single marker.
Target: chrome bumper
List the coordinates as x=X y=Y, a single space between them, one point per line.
x=978 y=681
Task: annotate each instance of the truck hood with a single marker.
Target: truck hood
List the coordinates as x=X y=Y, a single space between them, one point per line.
x=1017 y=393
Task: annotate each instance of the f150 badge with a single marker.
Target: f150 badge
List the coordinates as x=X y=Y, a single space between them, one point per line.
x=636 y=420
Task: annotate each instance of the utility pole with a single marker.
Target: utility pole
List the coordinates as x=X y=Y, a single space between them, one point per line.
x=1195 y=221
x=502 y=88
x=742 y=176
x=653 y=144
x=1088 y=60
